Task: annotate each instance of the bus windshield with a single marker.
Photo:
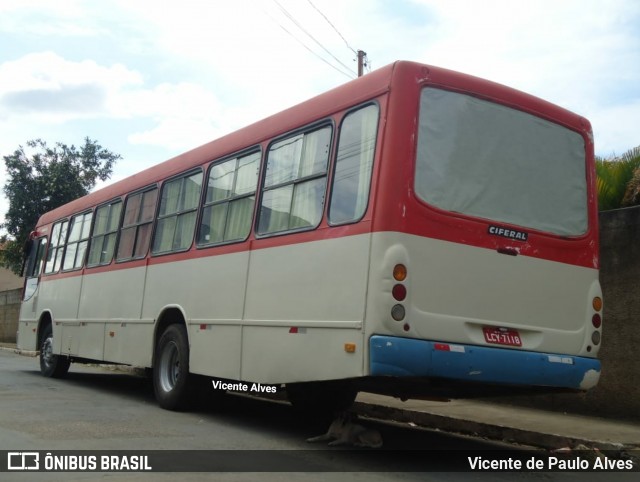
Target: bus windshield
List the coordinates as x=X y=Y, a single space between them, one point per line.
x=487 y=160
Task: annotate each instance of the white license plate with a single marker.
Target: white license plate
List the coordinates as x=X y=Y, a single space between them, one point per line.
x=502 y=336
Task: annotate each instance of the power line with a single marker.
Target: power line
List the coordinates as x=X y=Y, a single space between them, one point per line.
x=363 y=61
x=332 y=26
x=292 y=18
x=350 y=76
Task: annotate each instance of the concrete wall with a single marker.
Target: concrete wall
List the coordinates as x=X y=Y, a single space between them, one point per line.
x=9 y=281
x=620 y=278
x=9 y=313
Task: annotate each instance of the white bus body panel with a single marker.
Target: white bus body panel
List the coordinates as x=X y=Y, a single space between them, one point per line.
x=284 y=314
x=210 y=293
x=453 y=290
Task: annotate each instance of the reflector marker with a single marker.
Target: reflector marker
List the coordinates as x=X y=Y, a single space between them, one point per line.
x=447 y=347
x=561 y=359
x=295 y=329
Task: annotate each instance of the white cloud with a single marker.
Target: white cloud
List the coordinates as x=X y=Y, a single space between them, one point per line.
x=245 y=44
x=42 y=18
x=531 y=43
x=185 y=115
x=178 y=133
x=53 y=89
x=624 y=136
x=167 y=99
x=46 y=88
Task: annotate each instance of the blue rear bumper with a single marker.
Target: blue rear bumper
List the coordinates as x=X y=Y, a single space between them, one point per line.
x=394 y=356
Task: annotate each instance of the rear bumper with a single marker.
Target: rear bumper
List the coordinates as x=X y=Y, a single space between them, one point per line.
x=394 y=356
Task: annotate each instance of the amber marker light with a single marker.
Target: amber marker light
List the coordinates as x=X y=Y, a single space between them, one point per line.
x=597 y=303
x=350 y=347
x=400 y=272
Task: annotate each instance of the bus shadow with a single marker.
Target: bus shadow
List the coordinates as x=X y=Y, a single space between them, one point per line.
x=250 y=413
x=108 y=381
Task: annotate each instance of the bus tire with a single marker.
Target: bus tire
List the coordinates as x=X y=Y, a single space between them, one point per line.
x=51 y=366
x=171 y=380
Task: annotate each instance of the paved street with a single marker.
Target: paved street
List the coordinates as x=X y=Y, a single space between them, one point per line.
x=100 y=409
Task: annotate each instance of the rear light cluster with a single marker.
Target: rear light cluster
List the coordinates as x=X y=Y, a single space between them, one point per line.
x=596 y=321
x=399 y=293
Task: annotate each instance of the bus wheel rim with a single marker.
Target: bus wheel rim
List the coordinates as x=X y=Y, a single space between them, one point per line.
x=47 y=352
x=170 y=367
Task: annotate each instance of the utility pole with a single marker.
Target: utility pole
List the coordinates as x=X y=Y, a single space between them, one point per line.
x=362 y=56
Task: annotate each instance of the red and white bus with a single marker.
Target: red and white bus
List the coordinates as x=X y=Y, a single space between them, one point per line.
x=415 y=222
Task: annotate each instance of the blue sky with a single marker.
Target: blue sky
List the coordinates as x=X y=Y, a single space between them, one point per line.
x=149 y=80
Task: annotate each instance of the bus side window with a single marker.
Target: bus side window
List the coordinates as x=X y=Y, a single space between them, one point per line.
x=135 y=233
x=354 y=164
x=54 y=255
x=105 y=230
x=231 y=195
x=177 y=215
x=76 y=247
x=295 y=182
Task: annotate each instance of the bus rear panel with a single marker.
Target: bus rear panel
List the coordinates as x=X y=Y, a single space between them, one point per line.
x=487 y=211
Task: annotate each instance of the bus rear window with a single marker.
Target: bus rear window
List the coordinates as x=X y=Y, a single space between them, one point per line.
x=486 y=160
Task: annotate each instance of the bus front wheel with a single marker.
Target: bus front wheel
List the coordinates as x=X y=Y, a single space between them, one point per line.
x=171 y=369
x=51 y=366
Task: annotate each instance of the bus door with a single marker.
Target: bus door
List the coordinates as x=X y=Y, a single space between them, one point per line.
x=33 y=257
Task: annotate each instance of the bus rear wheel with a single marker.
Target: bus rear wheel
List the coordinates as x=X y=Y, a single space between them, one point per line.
x=51 y=366
x=171 y=380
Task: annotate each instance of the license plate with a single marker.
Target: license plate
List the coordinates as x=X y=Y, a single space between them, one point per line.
x=501 y=336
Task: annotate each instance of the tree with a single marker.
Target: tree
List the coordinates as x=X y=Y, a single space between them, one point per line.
x=613 y=178
x=632 y=194
x=42 y=178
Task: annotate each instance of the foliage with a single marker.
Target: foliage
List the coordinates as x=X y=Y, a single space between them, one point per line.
x=632 y=193
x=614 y=177
x=42 y=178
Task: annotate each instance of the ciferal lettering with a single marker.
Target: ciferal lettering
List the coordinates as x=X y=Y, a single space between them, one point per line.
x=508 y=233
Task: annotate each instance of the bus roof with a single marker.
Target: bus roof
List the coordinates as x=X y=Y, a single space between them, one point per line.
x=349 y=94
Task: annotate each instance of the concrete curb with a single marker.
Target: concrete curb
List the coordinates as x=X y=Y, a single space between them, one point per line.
x=496 y=432
x=13 y=349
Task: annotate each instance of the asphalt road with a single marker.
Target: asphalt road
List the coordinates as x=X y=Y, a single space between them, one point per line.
x=97 y=409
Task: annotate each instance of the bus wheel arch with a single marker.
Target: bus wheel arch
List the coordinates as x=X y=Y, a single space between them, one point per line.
x=45 y=319
x=170 y=315
x=51 y=365
x=171 y=378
